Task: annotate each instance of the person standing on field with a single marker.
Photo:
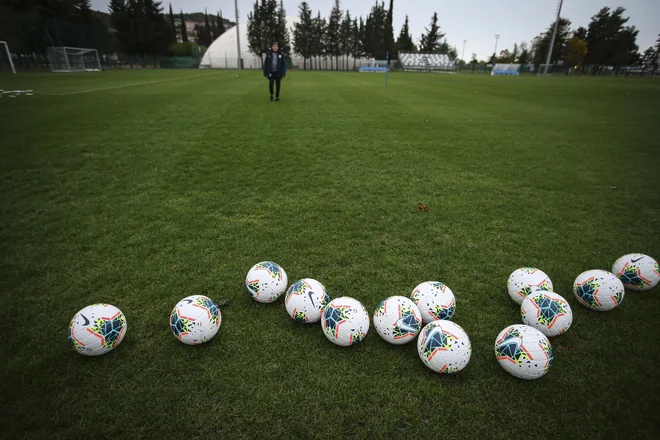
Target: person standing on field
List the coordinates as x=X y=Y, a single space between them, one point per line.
x=275 y=69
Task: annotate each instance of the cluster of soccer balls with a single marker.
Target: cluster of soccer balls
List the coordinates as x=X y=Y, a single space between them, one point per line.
x=525 y=350
x=443 y=346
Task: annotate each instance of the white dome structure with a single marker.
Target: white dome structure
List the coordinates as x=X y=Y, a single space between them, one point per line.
x=222 y=53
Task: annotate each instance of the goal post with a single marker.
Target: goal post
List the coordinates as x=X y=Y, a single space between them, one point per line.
x=6 y=63
x=74 y=59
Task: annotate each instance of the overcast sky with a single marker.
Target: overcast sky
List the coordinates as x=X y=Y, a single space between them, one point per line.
x=476 y=21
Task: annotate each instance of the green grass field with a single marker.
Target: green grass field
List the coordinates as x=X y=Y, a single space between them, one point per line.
x=139 y=188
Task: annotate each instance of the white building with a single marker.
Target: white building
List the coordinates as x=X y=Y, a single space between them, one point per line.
x=222 y=54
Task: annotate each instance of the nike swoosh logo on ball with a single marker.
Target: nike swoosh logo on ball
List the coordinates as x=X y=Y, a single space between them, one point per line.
x=635 y=261
x=86 y=320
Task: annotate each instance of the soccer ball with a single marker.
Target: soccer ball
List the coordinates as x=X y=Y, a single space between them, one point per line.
x=435 y=301
x=637 y=271
x=345 y=321
x=305 y=300
x=444 y=347
x=195 y=320
x=523 y=352
x=598 y=289
x=547 y=312
x=526 y=280
x=266 y=281
x=97 y=329
x=397 y=320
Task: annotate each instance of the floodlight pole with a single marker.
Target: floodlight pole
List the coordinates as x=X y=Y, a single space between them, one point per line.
x=238 y=36
x=463 y=52
x=554 y=35
x=497 y=37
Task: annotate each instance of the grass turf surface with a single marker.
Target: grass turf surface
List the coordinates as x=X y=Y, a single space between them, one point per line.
x=153 y=185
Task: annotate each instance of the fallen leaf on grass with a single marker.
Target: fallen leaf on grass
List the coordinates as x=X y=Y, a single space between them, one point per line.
x=422 y=207
x=173 y=267
x=612 y=187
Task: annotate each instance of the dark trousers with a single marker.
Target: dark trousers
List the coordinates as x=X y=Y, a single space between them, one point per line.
x=275 y=79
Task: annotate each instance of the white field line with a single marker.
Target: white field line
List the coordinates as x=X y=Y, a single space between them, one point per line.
x=135 y=84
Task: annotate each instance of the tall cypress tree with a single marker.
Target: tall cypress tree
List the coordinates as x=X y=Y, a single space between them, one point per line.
x=303 y=33
x=282 y=35
x=356 y=40
x=334 y=24
x=389 y=32
x=320 y=30
x=345 y=38
x=221 y=24
x=172 y=25
x=184 y=30
x=205 y=38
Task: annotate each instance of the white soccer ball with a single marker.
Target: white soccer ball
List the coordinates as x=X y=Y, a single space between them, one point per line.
x=637 y=271
x=97 y=329
x=195 y=320
x=305 y=300
x=266 y=281
x=434 y=300
x=598 y=290
x=397 y=320
x=523 y=352
x=547 y=312
x=345 y=321
x=526 y=280
x=444 y=347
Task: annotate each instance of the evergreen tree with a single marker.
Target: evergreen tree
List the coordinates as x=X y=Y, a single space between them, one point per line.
x=430 y=41
x=563 y=33
x=320 y=29
x=184 y=29
x=405 y=42
x=610 y=42
x=205 y=34
x=333 y=43
x=282 y=34
x=120 y=19
x=303 y=33
x=389 y=32
x=524 y=56
x=255 y=30
x=374 y=32
x=356 y=40
x=172 y=26
x=581 y=33
x=221 y=24
x=345 y=36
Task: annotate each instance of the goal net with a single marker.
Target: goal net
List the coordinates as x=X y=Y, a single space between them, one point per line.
x=73 y=59
x=6 y=63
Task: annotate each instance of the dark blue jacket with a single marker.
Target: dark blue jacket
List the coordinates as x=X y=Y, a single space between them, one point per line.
x=281 y=64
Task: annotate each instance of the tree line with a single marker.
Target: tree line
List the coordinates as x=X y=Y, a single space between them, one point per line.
x=31 y=26
x=143 y=29
x=339 y=36
x=606 y=41
x=133 y=27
